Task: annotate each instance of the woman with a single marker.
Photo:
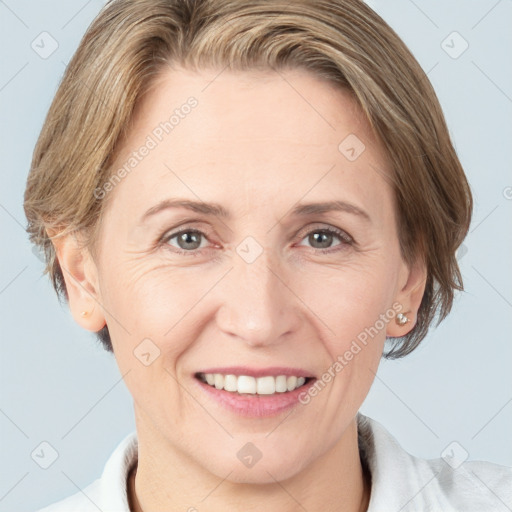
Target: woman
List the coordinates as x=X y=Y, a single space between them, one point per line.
x=245 y=201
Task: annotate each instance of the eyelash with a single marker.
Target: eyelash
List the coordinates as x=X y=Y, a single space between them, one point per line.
x=344 y=238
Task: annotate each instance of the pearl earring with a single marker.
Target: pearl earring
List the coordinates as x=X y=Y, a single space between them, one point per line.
x=401 y=319
x=84 y=313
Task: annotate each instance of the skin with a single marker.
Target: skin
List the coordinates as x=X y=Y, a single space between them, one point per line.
x=257 y=146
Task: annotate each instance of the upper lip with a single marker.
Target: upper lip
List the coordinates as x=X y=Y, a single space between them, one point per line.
x=259 y=372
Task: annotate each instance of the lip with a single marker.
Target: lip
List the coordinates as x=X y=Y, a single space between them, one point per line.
x=255 y=406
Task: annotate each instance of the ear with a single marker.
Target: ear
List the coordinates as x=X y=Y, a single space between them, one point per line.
x=81 y=278
x=411 y=289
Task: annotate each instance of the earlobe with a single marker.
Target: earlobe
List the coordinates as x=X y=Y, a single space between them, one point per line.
x=409 y=297
x=81 y=279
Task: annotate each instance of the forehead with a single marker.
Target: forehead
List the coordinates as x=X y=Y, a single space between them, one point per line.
x=251 y=106
x=248 y=131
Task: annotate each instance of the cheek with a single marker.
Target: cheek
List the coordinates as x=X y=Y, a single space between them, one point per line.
x=154 y=302
x=359 y=314
x=349 y=300
x=151 y=321
x=352 y=310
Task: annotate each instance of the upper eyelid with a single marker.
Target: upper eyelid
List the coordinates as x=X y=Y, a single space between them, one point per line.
x=183 y=229
x=325 y=227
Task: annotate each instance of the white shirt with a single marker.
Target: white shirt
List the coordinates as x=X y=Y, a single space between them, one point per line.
x=400 y=481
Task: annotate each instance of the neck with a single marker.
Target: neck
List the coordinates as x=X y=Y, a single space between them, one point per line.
x=165 y=479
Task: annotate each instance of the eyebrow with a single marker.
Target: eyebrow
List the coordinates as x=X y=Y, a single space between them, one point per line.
x=217 y=210
x=329 y=206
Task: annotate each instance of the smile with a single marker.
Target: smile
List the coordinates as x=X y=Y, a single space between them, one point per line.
x=246 y=384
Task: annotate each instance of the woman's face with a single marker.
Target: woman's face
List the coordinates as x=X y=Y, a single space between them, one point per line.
x=249 y=282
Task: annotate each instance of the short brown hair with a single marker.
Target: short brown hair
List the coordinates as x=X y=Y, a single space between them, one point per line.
x=343 y=41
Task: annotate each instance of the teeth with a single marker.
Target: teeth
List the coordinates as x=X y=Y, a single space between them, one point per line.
x=268 y=385
x=281 y=384
x=291 y=383
x=230 y=383
x=219 y=380
x=246 y=384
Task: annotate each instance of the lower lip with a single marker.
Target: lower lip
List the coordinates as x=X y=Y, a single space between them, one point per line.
x=255 y=406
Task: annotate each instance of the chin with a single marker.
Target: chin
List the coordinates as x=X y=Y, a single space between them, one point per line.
x=246 y=464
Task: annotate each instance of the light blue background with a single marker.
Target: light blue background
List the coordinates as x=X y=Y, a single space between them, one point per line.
x=57 y=385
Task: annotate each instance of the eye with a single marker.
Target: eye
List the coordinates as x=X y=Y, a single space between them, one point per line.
x=322 y=239
x=191 y=241
x=188 y=241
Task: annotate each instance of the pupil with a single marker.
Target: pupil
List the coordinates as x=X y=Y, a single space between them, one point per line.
x=328 y=239
x=189 y=238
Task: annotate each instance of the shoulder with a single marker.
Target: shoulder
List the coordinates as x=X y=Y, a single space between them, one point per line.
x=108 y=493
x=404 y=482
x=474 y=485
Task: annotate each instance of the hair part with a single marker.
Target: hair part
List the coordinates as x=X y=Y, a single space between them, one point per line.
x=343 y=41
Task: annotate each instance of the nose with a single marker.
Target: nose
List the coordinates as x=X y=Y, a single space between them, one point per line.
x=258 y=306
